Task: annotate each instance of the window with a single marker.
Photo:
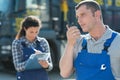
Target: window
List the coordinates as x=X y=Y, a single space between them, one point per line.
x=118 y=3
x=100 y=2
x=6 y=6
x=109 y=2
x=39 y=8
x=77 y=1
x=106 y=2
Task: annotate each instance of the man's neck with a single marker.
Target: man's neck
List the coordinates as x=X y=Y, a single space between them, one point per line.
x=98 y=32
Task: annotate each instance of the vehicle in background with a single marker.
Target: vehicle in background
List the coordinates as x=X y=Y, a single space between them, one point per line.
x=54 y=14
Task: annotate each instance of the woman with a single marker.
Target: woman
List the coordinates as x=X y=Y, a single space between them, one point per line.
x=27 y=49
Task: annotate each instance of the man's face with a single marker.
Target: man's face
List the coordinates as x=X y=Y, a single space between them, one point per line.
x=86 y=18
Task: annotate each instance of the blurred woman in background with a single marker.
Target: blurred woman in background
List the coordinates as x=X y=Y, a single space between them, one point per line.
x=25 y=50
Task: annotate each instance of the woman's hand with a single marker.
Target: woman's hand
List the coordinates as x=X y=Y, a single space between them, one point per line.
x=37 y=52
x=44 y=63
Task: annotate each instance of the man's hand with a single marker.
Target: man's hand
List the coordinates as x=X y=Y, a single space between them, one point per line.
x=73 y=33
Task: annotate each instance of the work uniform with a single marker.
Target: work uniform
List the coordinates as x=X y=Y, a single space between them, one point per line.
x=96 y=65
x=26 y=50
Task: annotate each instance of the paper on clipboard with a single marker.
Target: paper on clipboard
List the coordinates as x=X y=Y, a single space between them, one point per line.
x=42 y=56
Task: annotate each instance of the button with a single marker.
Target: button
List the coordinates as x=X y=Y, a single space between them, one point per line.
x=81 y=63
x=19 y=77
x=26 y=55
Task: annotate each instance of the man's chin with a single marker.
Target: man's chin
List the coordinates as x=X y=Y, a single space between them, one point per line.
x=84 y=30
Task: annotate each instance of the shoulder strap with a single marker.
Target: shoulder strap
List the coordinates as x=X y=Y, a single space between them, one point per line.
x=38 y=46
x=84 y=44
x=38 y=43
x=109 y=41
x=23 y=44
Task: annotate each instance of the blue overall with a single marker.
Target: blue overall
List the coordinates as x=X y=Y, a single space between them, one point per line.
x=94 y=66
x=32 y=74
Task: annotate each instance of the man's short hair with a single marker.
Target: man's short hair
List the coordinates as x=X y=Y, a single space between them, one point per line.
x=90 y=4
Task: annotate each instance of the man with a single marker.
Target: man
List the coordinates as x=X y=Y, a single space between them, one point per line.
x=96 y=55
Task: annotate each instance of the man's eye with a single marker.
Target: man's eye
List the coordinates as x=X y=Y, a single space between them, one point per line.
x=82 y=14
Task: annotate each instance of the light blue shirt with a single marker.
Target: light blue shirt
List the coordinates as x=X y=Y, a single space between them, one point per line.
x=94 y=46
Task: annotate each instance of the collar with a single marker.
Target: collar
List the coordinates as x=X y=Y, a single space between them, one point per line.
x=105 y=36
x=23 y=39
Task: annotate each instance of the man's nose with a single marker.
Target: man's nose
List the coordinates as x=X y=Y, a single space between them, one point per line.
x=79 y=20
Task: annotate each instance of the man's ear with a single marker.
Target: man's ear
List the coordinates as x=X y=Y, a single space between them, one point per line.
x=98 y=14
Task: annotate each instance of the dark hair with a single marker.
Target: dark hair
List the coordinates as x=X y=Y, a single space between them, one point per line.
x=90 y=4
x=29 y=21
